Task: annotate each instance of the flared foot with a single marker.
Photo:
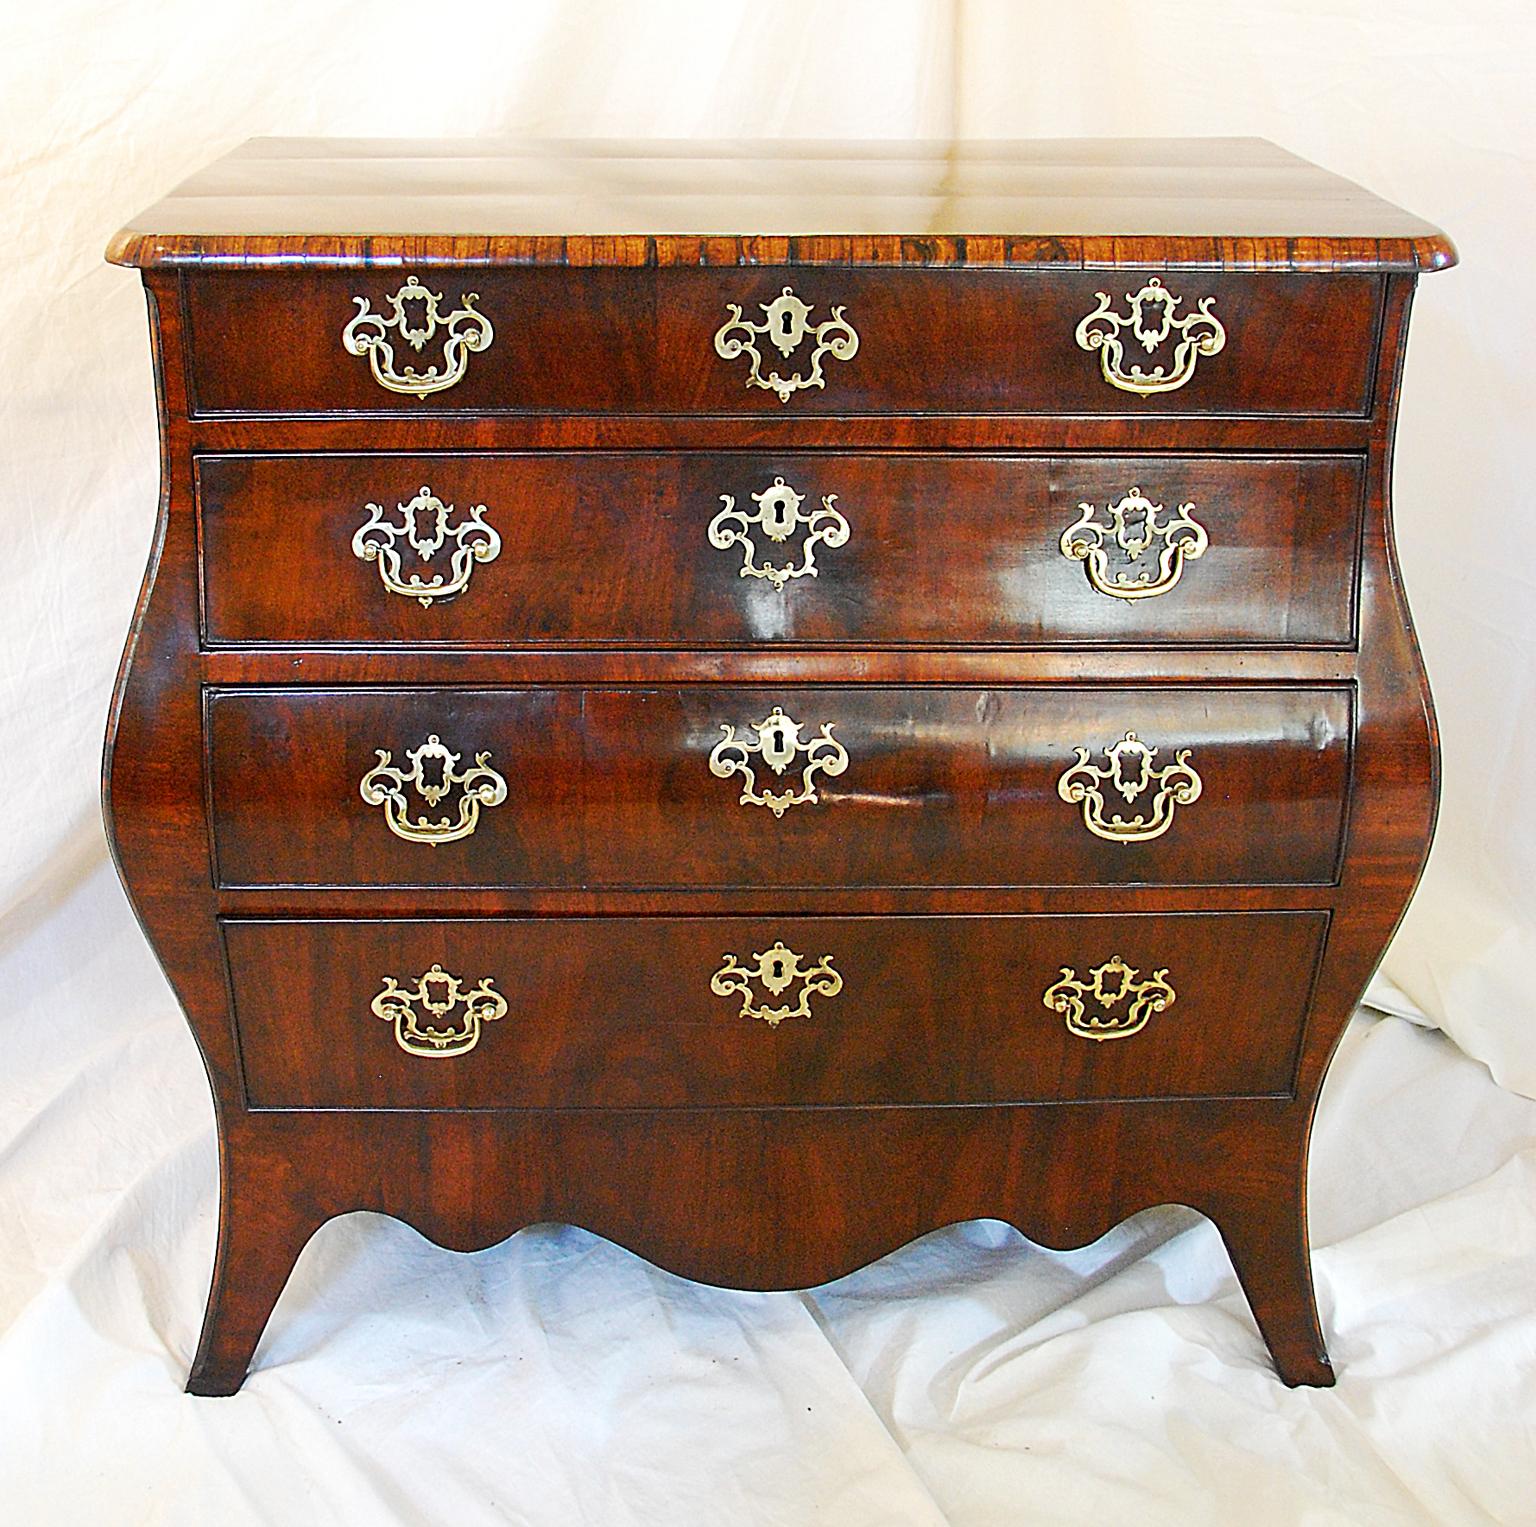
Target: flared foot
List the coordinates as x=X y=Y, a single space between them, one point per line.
x=261 y=1233
x=1268 y=1245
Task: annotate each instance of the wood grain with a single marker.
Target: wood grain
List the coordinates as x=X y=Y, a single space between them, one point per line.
x=612 y=787
x=699 y=1147
x=618 y=1012
x=1238 y=203
x=612 y=549
x=619 y=341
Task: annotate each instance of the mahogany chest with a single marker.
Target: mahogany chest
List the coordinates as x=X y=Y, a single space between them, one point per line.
x=765 y=699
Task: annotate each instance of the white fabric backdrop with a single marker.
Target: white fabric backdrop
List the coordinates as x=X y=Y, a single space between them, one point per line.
x=106 y=1128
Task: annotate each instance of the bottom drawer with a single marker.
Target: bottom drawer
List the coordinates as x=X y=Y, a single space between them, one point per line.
x=762 y=1011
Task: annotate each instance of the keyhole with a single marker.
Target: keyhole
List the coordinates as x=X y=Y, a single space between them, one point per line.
x=778 y=514
x=786 y=324
x=778 y=970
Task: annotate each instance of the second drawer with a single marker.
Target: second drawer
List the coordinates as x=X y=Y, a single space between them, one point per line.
x=643 y=548
x=716 y=787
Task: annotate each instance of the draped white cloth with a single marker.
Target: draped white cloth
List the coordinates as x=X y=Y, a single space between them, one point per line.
x=556 y=1379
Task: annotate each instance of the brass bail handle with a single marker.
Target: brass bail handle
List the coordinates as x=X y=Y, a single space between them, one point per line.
x=438 y=1015
x=1153 y=320
x=1113 y=1001
x=432 y=775
x=413 y=316
x=1135 y=527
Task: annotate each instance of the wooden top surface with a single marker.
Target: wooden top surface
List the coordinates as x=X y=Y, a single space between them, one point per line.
x=1238 y=203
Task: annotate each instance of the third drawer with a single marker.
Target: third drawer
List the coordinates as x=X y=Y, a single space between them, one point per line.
x=719 y=787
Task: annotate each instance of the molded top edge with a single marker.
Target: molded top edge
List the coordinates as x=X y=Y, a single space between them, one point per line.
x=1237 y=203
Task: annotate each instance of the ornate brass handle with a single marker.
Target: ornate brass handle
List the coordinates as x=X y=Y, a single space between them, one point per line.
x=777 y=743
x=473 y=541
x=778 y=516
x=439 y=995
x=786 y=322
x=1135 y=526
x=1107 y=986
x=368 y=334
x=1131 y=774
x=1151 y=321
x=389 y=787
x=776 y=970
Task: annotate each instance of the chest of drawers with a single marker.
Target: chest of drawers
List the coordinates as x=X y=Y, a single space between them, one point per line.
x=764 y=701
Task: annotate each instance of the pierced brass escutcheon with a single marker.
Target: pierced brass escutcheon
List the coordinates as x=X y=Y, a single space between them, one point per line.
x=1107 y=986
x=775 y=970
x=473 y=541
x=415 y=317
x=439 y=994
x=1131 y=774
x=433 y=773
x=777 y=743
x=1151 y=321
x=778 y=516
x=1135 y=526
x=786 y=322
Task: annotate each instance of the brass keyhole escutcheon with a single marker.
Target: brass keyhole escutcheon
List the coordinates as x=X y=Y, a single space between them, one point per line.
x=777 y=745
x=775 y=970
x=778 y=515
x=786 y=326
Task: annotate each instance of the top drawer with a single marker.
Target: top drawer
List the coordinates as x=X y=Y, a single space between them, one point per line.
x=780 y=342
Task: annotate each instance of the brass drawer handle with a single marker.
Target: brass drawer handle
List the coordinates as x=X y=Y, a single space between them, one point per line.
x=439 y=994
x=775 y=970
x=389 y=787
x=1152 y=322
x=368 y=334
x=786 y=323
x=1107 y=986
x=473 y=541
x=777 y=743
x=778 y=516
x=1130 y=774
x=1135 y=526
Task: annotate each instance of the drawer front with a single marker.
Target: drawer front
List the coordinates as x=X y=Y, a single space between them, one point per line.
x=707 y=1012
x=717 y=549
x=712 y=787
x=721 y=341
